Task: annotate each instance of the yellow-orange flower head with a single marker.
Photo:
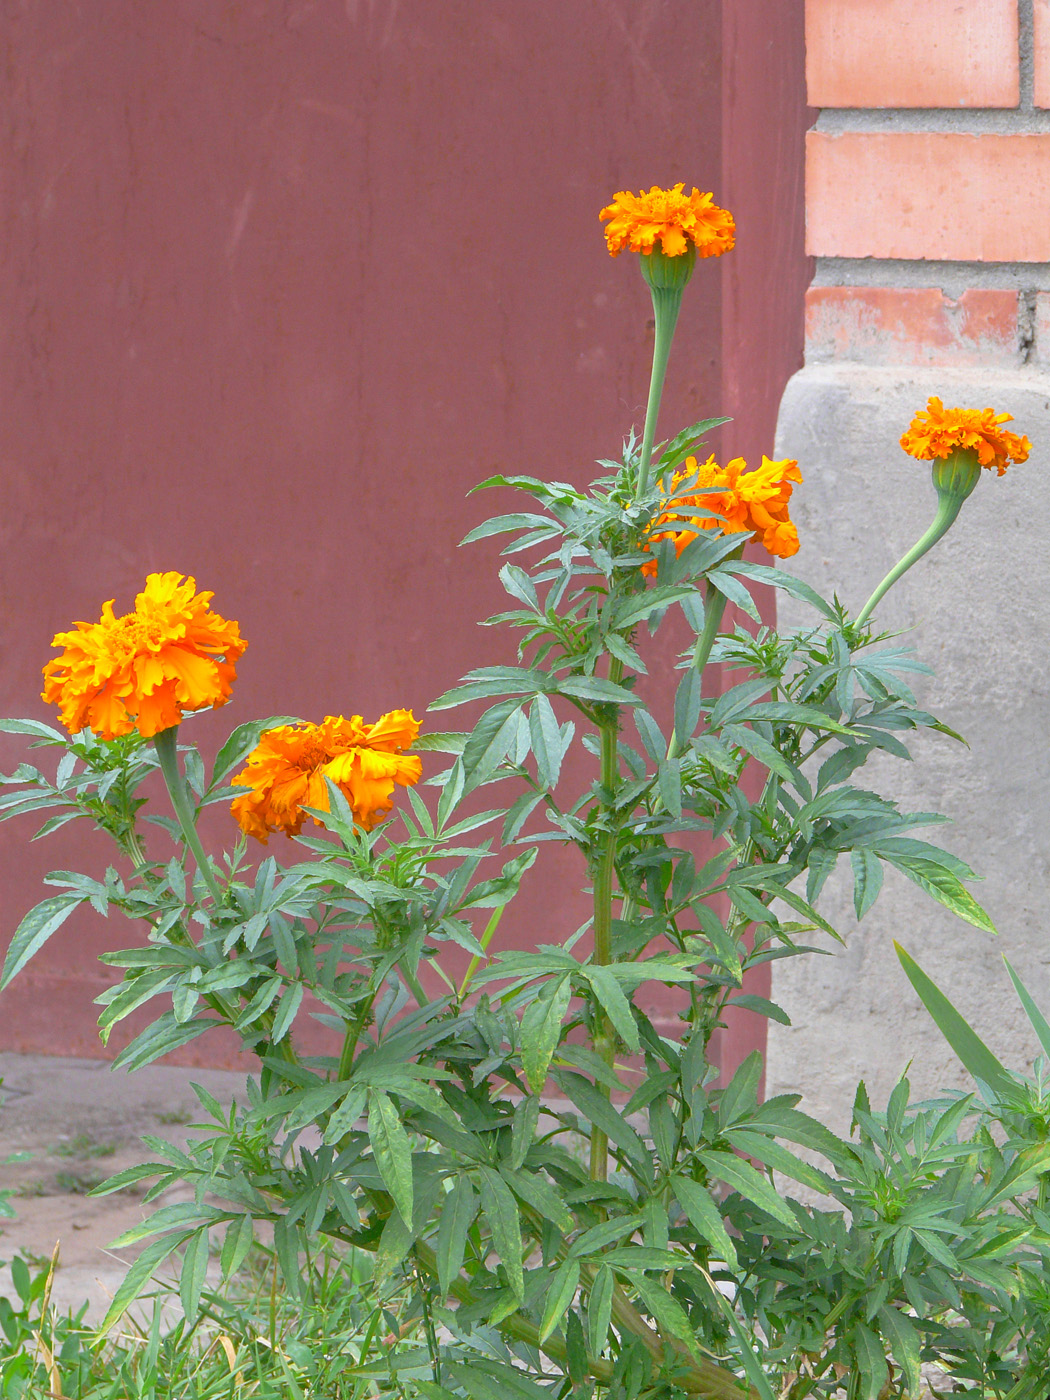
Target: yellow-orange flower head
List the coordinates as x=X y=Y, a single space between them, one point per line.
x=677 y=219
x=941 y=431
x=287 y=769
x=745 y=501
x=146 y=669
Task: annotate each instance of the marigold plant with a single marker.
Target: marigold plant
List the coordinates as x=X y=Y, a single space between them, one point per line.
x=558 y=1194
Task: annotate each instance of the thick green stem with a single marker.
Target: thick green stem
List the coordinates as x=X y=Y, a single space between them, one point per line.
x=667 y=302
x=167 y=753
x=604 y=879
x=948 y=508
x=714 y=611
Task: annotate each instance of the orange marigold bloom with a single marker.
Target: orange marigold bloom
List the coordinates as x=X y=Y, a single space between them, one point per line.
x=287 y=770
x=672 y=216
x=146 y=669
x=941 y=431
x=754 y=501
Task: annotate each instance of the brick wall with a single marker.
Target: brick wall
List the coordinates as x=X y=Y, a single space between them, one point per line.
x=928 y=181
x=928 y=212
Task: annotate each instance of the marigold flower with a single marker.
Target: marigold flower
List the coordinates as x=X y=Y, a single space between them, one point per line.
x=754 y=501
x=286 y=771
x=941 y=431
x=672 y=216
x=146 y=669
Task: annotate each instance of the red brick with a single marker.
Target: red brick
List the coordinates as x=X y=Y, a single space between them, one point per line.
x=1041 y=17
x=928 y=195
x=911 y=326
x=913 y=53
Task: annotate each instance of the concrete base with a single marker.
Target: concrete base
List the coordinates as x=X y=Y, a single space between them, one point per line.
x=977 y=609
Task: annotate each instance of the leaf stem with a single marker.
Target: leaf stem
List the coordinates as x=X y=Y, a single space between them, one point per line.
x=167 y=754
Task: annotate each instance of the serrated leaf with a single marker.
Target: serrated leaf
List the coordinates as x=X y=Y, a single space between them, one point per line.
x=867 y=879
x=236 y=1244
x=545 y=734
x=139 y=1275
x=705 y=1217
x=192 y=1276
x=599 y=1310
x=752 y=1185
x=874 y=1373
x=501 y=1212
x=1035 y=1016
x=735 y=591
x=392 y=1150
x=35 y=929
x=559 y=1297
x=687 y=705
x=457 y=1216
x=541 y=1027
x=946 y=888
x=904 y=1343
x=599 y=1111
x=615 y=1005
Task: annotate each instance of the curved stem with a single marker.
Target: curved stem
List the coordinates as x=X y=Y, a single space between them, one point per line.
x=165 y=743
x=947 y=509
x=667 y=302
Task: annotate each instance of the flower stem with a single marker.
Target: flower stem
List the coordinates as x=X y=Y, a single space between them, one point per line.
x=609 y=773
x=947 y=509
x=667 y=302
x=167 y=754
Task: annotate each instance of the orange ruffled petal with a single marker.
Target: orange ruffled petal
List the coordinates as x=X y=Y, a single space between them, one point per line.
x=941 y=431
x=732 y=500
x=676 y=219
x=144 y=670
x=290 y=767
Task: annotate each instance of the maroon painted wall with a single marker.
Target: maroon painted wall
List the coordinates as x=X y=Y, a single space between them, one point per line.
x=279 y=281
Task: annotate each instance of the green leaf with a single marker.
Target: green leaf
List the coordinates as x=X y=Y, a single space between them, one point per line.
x=34 y=931
x=735 y=591
x=867 y=880
x=194 y=1269
x=501 y=1211
x=687 y=705
x=705 y=1217
x=491 y=740
x=139 y=1275
x=945 y=887
x=1038 y=1020
x=541 y=1027
x=446 y=742
x=599 y=1310
x=615 y=1005
x=545 y=733
x=967 y=1044
x=286 y=1011
x=670 y=1316
x=599 y=1111
x=777 y=578
x=235 y=1246
x=457 y=1216
x=904 y=1343
x=241 y=742
x=594 y=688
x=538 y=1193
x=559 y=1297
x=752 y=1185
x=874 y=1373
x=392 y=1149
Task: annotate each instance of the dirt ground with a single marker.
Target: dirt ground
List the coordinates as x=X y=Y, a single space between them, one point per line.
x=80 y=1122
